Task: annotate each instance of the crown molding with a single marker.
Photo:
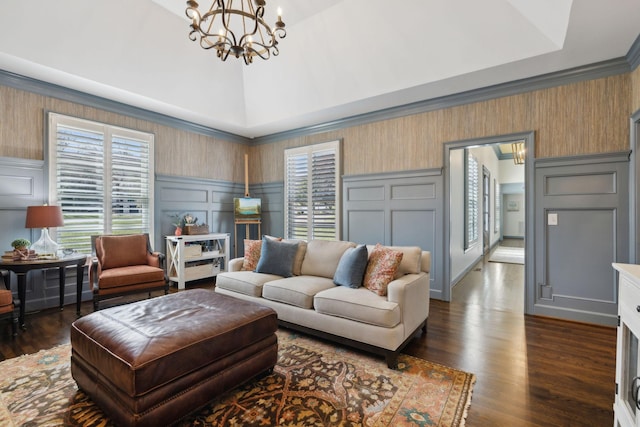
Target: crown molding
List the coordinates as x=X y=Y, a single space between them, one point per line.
x=633 y=56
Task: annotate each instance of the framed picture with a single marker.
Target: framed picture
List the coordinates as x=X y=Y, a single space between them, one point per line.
x=513 y=206
x=247 y=208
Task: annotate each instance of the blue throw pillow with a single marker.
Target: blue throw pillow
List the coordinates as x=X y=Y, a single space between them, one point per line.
x=351 y=267
x=277 y=257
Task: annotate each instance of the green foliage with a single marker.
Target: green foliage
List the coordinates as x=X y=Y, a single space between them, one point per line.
x=20 y=243
x=182 y=220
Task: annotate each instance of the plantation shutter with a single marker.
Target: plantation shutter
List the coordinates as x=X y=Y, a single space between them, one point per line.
x=79 y=184
x=130 y=160
x=323 y=195
x=297 y=197
x=312 y=192
x=101 y=177
x=471 y=200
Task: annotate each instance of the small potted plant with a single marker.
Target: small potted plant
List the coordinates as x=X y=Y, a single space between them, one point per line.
x=21 y=250
x=178 y=223
x=20 y=244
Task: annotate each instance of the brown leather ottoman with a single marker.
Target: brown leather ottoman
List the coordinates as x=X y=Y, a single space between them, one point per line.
x=152 y=362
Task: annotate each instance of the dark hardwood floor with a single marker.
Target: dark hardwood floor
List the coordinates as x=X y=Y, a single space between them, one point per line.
x=530 y=371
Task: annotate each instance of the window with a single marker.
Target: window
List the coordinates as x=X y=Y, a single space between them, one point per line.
x=102 y=178
x=311 y=188
x=471 y=200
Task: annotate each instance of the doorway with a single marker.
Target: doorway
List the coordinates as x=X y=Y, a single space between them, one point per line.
x=460 y=261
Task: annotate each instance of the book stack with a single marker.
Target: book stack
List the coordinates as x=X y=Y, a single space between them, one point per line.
x=19 y=255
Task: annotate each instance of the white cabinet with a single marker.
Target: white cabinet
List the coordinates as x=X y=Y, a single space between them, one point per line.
x=198 y=256
x=627 y=402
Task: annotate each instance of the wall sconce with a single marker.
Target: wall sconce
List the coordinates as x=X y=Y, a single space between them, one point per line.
x=44 y=217
x=517 y=148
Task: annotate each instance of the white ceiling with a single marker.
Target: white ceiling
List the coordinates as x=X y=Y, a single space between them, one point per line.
x=340 y=58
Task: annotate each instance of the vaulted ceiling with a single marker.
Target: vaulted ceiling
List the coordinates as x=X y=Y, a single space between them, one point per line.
x=340 y=58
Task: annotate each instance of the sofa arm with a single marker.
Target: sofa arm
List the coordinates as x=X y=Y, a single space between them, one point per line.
x=235 y=264
x=411 y=292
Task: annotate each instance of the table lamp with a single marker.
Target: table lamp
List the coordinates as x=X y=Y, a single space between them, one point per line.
x=44 y=217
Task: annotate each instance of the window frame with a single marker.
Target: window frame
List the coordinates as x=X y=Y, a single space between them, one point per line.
x=308 y=151
x=110 y=134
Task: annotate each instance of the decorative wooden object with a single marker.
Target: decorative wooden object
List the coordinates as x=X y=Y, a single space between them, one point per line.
x=196 y=229
x=246 y=221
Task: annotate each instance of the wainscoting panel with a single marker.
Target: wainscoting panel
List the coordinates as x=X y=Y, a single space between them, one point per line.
x=593 y=183
x=401 y=209
x=365 y=225
x=365 y=193
x=210 y=201
x=422 y=226
x=216 y=209
x=582 y=218
x=272 y=201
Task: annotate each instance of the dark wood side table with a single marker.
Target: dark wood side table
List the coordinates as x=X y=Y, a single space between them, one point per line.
x=21 y=268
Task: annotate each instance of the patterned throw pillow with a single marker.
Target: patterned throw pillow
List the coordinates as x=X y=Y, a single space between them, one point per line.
x=251 y=254
x=381 y=268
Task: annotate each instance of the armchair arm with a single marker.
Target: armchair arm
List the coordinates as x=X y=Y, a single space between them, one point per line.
x=6 y=279
x=94 y=273
x=156 y=259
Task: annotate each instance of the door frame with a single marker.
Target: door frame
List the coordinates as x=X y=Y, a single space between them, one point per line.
x=634 y=186
x=529 y=195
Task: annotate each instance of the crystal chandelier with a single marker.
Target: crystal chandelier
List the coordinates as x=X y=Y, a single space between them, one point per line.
x=234 y=29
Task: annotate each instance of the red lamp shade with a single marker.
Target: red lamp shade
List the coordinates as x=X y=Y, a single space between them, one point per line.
x=44 y=217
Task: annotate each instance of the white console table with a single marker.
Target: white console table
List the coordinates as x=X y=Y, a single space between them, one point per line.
x=626 y=407
x=197 y=256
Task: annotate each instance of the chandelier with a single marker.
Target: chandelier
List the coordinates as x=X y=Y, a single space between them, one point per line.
x=517 y=148
x=234 y=29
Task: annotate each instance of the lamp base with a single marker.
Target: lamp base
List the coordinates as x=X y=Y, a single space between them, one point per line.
x=45 y=247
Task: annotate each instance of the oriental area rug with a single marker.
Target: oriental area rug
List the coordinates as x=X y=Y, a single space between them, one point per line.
x=313 y=384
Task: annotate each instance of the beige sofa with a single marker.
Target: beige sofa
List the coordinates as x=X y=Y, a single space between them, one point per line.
x=310 y=302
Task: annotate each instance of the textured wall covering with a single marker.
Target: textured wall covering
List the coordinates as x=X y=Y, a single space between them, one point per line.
x=177 y=152
x=581 y=118
x=635 y=90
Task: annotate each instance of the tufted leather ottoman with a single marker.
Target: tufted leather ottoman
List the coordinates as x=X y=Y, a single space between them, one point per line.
x=152 y=362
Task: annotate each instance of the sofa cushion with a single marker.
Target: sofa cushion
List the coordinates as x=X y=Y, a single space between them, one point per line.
x=130 y=275
x=251 y=254
x=122 y=251
x=244 y=282
x=277 y=257
x=411 y=260
x=298 y=291
x=359 y=304
x=351 y=267
x=381 y=269
x=323 y=256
